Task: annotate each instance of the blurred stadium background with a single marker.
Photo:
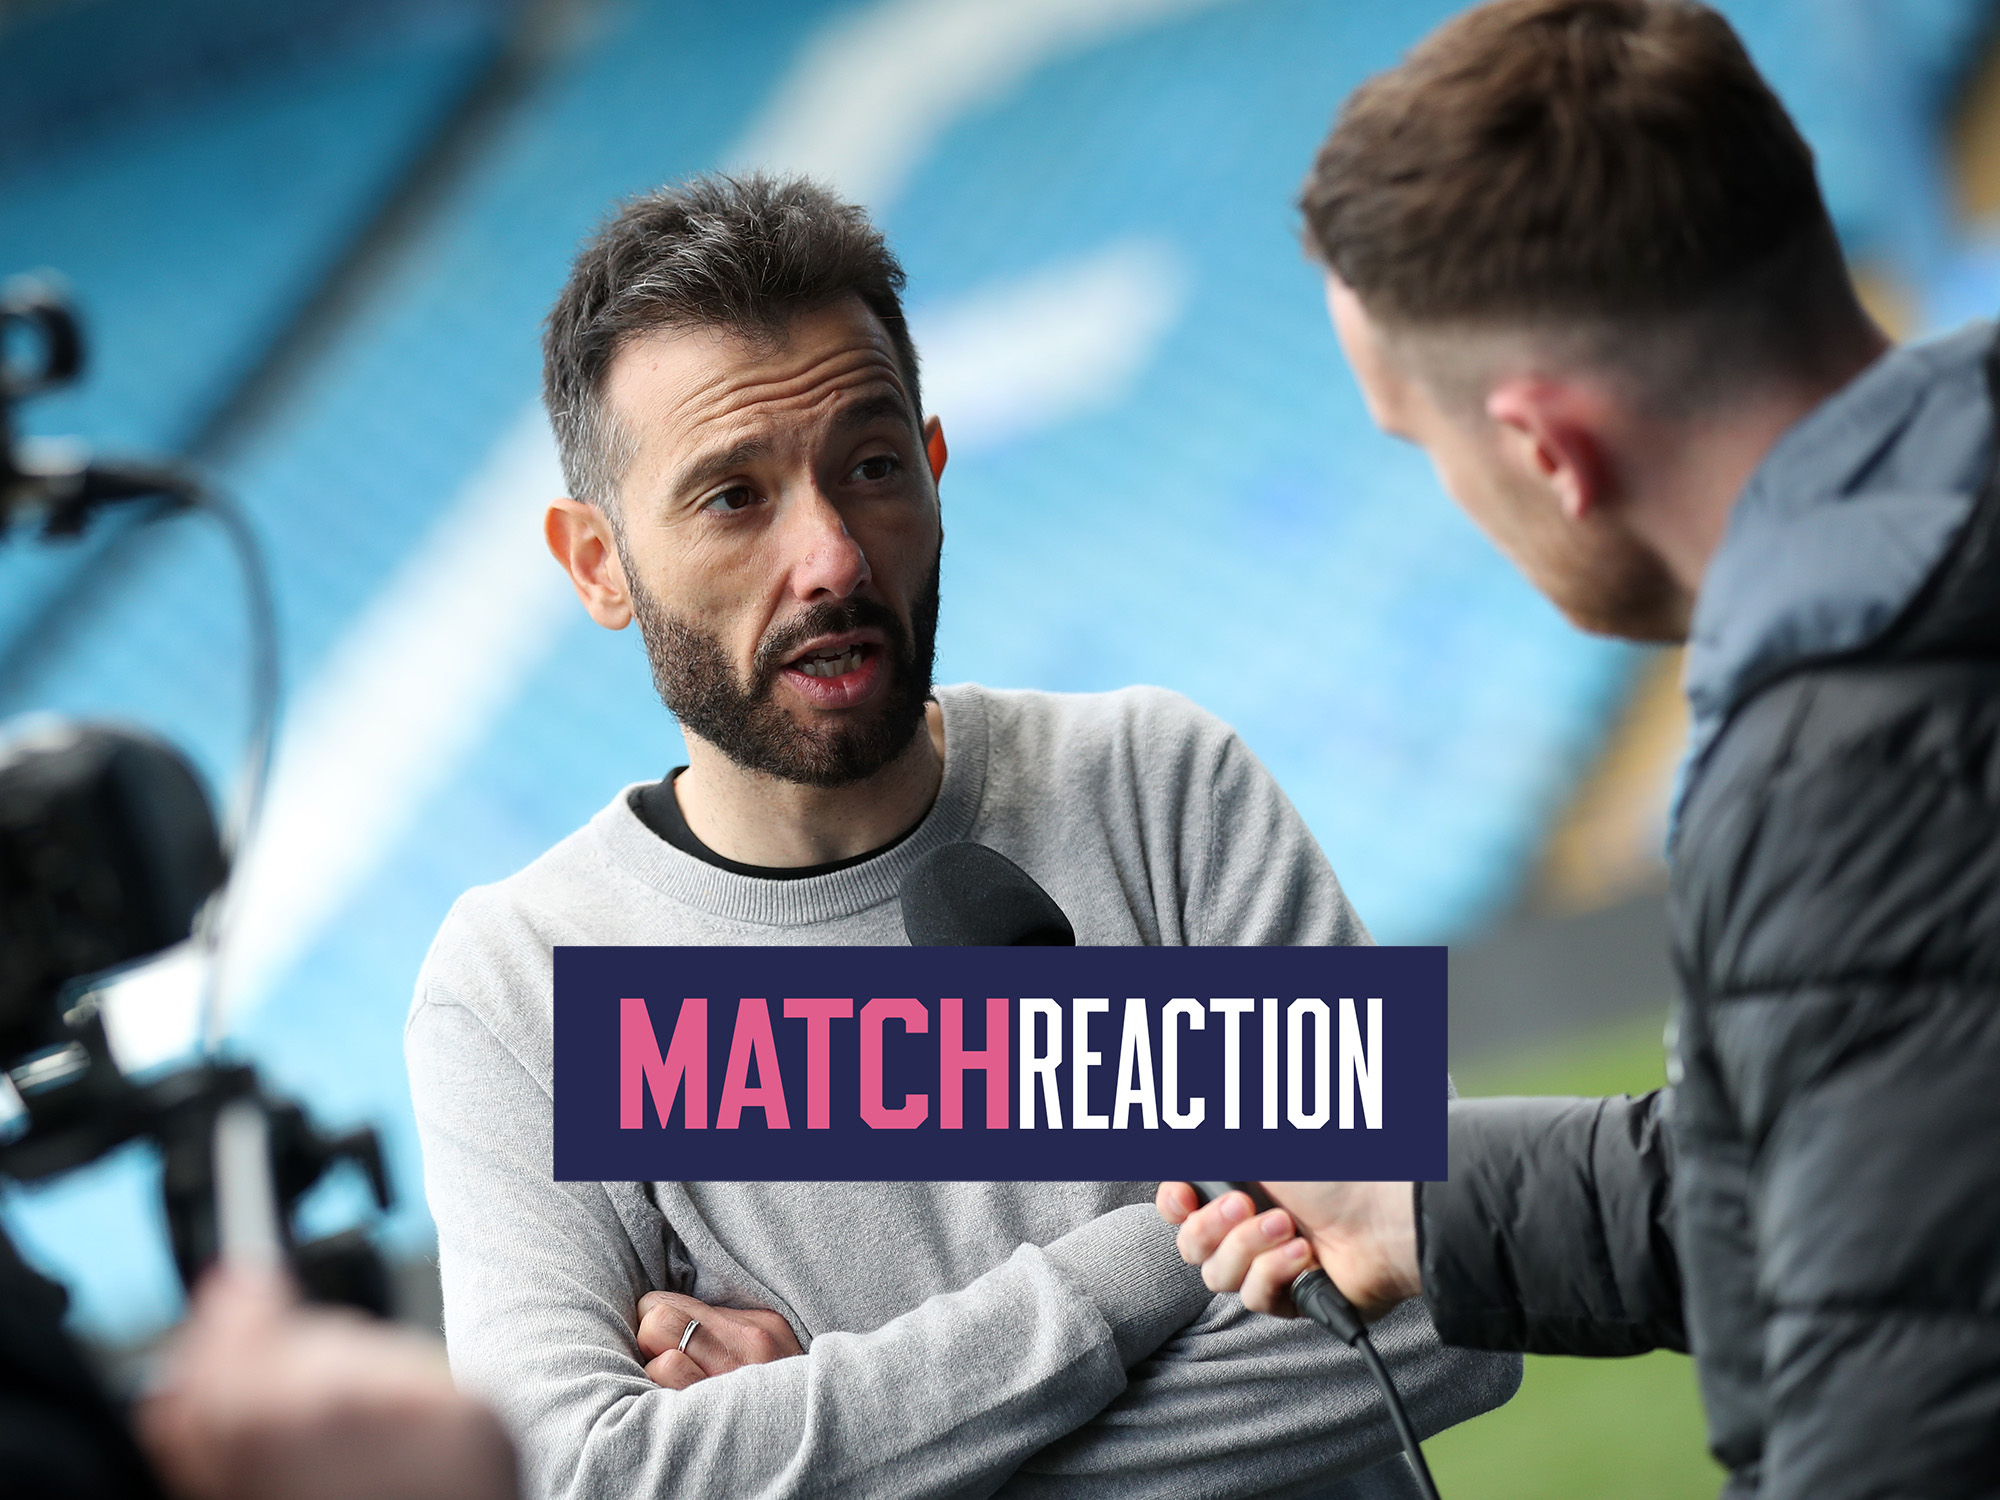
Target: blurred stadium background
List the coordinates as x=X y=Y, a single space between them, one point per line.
x=314 y=239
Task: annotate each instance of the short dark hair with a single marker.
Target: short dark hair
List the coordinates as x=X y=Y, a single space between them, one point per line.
x=744 y=253
x=1550 y=161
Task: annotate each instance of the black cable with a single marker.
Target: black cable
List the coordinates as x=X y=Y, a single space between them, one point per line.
x=1412 y=1448
x=261 y=601
x=254 y=776
x=1411 y=1445
x=1315 y=1295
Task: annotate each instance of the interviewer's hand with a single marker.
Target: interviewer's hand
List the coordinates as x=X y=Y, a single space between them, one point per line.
x=728 y=1339
x=1364 y=1234
x=262 y=1399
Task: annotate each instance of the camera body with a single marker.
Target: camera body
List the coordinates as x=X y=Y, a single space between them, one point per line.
x=107 y=854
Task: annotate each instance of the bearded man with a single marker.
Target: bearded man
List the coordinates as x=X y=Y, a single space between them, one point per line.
x=735 y=394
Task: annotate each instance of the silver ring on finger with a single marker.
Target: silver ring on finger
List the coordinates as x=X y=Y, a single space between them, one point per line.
x=688 y=1333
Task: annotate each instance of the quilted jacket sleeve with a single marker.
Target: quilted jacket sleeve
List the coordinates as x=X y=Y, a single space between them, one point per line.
x=1554 y=1233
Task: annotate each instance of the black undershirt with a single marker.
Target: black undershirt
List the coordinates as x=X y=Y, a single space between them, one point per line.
x=660 y=810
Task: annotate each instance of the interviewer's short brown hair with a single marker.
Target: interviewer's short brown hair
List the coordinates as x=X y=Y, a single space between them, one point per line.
x=1559 y=161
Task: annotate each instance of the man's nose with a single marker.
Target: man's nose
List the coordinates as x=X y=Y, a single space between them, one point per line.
x=825 y=561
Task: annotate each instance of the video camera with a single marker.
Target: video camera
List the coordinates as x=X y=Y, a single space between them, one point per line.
x=110 y=854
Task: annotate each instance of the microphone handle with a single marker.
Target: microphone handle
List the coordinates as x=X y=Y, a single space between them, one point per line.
x=1313 y=1291
x=1315 y=1295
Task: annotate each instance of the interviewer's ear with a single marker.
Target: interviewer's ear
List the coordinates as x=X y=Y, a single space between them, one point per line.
x=1549 y=431
x=934 y=448
x=579 y=535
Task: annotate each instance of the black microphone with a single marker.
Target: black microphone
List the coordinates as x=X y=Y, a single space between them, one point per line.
x=58 y=483
x=970 y=896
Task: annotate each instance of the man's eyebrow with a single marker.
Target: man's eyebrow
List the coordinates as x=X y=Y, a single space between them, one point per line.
x=711 y=467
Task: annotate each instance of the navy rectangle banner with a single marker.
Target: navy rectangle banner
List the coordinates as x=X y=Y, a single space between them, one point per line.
x=999 y=1064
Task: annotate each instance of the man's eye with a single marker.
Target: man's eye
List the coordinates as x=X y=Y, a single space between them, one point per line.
x=880 y=467
x=736 y=497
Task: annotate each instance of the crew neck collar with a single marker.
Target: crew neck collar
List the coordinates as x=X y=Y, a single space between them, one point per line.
x=629 y=845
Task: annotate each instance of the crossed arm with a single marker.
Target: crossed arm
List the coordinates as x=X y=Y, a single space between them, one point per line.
x=1277 y=1405
x=1096 y=1364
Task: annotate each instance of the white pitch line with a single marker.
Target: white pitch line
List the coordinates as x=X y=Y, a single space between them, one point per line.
x=407 y=695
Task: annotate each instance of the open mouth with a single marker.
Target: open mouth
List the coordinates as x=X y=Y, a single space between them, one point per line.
x=844 y=673
x=832 y=661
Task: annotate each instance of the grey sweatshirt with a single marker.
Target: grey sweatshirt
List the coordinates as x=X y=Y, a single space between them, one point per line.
x=960 y=1338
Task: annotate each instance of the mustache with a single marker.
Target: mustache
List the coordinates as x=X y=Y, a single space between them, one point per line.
x=782 y=644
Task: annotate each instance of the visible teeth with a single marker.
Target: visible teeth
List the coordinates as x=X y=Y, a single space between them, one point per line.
x=831 y=666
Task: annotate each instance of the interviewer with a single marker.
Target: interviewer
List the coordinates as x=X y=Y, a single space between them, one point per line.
x=1576 y=250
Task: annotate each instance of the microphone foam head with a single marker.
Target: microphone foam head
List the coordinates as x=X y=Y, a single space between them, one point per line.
x=970 y=896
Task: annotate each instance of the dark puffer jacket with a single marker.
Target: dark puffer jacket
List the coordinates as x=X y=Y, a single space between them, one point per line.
x=1814 y=1205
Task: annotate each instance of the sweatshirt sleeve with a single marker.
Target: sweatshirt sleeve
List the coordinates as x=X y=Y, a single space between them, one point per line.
x=1238 y=1404
x=542 y=1279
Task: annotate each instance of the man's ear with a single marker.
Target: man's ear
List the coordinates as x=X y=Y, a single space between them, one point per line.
x=1550 y=432
x=579 y=535
x=934 y=448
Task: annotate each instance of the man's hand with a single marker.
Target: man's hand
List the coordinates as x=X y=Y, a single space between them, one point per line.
x=261 y=1399
x=728 y=1338
x=1364 y=1234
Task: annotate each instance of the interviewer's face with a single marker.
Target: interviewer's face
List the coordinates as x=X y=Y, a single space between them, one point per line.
x=1584 y=560
x=780 y=539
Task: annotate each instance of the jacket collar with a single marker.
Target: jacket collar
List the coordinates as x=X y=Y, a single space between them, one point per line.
x=1836 y=531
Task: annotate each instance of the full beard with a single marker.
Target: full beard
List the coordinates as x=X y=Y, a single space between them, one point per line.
x=692 y=674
